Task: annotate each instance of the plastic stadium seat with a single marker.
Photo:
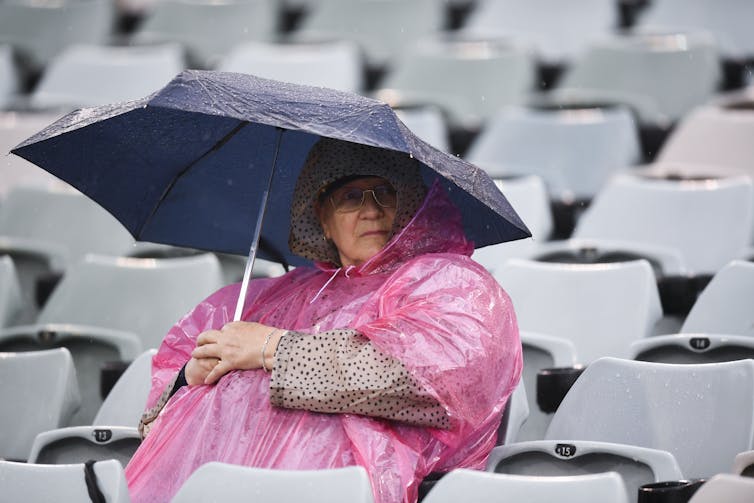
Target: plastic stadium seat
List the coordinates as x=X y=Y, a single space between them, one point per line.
x=515 y=415
x=39 y=392
x=716 y=136
x=336 y=64
x=127 y=400
x=559 y=31
x=727 y=20
x=14 y=128
x=90 y=348
x=541 y=351
x=547 y=458
x=743 y=464
x=113 y=434
x=224 y=482
x=208 y=30
x=725 y=487
x=382 y=28
x=528 y=195
x=39 y=483
x=428 y=123
x=601 y=308
x=62 y=23
x=469 y=79
x=725 y=305
x=702 y=414
x=11 y=302
x=483 y=487
x=91 y=75
x=575 y=151
x=109 y=308
x=709 y=221
x=693 y=348
x=664 y=76
x=9 y=77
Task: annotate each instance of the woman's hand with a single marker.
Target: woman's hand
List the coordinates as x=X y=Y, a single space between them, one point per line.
x=236 y=346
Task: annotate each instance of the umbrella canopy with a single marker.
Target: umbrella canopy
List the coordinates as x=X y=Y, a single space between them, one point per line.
x=190 y=164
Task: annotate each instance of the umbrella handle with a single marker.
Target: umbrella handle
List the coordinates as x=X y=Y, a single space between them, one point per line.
x=257 y=233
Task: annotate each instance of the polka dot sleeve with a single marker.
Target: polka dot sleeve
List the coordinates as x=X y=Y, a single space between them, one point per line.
x=340 y=371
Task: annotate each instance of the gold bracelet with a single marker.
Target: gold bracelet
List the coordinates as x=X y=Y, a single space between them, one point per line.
x=264 y=348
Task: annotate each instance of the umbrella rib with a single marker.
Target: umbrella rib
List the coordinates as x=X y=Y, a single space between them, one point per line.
x=222 y=141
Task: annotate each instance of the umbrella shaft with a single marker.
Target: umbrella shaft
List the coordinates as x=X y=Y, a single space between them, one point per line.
x=257 y=233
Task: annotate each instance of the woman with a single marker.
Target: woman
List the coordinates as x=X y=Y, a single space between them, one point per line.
x=396 y=352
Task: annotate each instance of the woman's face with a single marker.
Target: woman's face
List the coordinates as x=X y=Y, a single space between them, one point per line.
x=359 y=231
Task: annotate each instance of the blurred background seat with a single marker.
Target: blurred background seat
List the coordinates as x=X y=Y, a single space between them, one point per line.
x=428 y=122
x=91 y=75
x=469 y=79
x=574 y=150
x=557 y=458
x=10 y=80
x=208 y=30
x=39 y=30
x=40 y=392
x=707 y=219
x=336 y=64
x=702 y=414
x=725 y=487
x=383 y=29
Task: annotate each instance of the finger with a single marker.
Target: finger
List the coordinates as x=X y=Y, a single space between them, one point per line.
x=220 y=370
x=206 y=351
x=207 y=337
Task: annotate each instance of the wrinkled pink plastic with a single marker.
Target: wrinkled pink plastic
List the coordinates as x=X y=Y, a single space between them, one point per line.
x=421 y=300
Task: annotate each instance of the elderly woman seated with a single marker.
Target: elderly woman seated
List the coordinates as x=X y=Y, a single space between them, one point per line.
x=395 y=351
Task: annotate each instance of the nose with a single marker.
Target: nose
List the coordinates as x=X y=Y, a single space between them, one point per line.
x=370 y=203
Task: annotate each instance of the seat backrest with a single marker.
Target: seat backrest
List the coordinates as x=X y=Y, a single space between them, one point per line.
x=63 y=217
x=541 y=351
x=708 y=221
x=142 y=296
x=470 y=79
x=601 y=308
x=557 y=458
x=209 y=30
x=40 y=392
x=712 y=136
x=727 y=20
x=9 y=76
x=515 y=414
x=725 y=305
x=702 y=414
x=483 y=487
x=656 y=66
x=382 y=28
x=743 y=464
x=528 y=195
x=558 y=31
x=37 y=482
x=224 y=482
x=91 y=75
x=725 y=487
x=127 y=400
x=335 y=64
x=11 y=301
x=88 y=21
x=574 y=151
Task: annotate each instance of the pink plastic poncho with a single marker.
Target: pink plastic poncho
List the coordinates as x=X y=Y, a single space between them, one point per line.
x=421 y=300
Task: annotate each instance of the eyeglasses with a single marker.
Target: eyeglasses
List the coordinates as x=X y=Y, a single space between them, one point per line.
x=350 y=199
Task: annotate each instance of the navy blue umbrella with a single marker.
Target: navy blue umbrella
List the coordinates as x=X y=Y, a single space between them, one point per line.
x=202 y=161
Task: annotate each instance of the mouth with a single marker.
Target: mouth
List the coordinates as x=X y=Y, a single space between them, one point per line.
x=374 y=233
